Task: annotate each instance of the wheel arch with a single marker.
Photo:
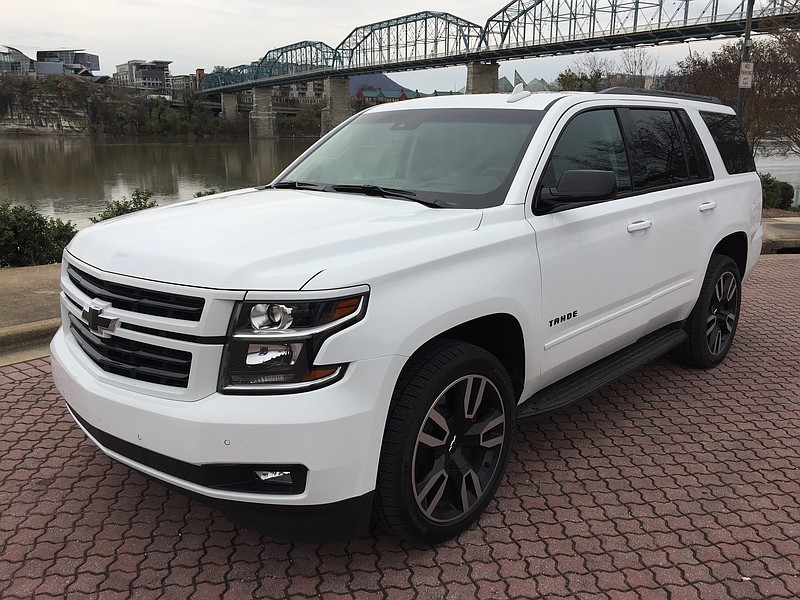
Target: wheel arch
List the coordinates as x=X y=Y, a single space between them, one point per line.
x=499 y=334
x=734 y=246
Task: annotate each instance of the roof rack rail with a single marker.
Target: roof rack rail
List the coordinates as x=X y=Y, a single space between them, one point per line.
x=662 y=93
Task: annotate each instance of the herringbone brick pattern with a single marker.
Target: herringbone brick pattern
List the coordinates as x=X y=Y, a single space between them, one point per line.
x=670 y=483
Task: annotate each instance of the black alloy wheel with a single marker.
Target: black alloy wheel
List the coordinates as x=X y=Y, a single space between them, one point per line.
x=712 y=323
x=447 y=441
x=722 y=313
x=458 y=448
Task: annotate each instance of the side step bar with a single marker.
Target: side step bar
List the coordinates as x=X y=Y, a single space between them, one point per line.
x=599 y=374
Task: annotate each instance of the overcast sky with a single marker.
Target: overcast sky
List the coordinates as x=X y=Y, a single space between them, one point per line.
x=203 y=33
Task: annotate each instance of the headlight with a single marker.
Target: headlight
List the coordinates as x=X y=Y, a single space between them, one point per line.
x=272 y=344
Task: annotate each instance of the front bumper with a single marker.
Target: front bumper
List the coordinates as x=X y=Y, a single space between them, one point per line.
x=335 y=433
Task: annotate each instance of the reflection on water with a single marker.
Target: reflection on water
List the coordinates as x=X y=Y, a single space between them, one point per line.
x=72 y=178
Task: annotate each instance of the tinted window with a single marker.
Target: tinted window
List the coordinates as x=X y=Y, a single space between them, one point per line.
x=731 y=142
x=656 y=149
x=696 y=157
x=591 y=140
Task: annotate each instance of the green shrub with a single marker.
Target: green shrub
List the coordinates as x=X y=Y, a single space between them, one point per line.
x=140 y=199
x=208 y=192
x=787 y=194
x=776 y=193
x=28 y=238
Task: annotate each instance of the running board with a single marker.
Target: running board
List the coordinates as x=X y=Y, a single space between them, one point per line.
x=599 y=374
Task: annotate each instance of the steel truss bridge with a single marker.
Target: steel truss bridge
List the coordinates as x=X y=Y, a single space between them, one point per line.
x=521 y=29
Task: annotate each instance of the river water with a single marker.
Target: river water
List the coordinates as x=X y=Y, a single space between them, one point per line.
x=72 y=178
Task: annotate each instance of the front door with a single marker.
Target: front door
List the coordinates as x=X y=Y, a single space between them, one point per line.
x=595 y=259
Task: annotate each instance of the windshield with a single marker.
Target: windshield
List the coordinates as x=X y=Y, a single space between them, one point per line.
x=453 y=158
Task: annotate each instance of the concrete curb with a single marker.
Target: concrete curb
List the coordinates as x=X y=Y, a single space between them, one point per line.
x=27 y=334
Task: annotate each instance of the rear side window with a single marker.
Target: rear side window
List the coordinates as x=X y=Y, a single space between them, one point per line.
x=656 y=148
x=731 y=142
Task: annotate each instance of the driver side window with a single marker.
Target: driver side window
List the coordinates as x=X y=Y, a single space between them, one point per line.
x=591 y=140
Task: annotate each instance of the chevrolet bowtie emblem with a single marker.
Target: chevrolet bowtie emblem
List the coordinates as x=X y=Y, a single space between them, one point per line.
x=98 y=324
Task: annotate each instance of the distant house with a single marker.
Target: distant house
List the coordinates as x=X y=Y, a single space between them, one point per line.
x=370 y=97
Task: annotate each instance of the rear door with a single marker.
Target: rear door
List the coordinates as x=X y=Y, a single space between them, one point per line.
x=670 y=167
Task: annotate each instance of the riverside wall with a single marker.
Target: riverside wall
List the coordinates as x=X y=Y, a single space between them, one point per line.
x=32 y=104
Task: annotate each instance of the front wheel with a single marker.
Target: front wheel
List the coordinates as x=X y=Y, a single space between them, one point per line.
x=447 y=441
x=712 y=324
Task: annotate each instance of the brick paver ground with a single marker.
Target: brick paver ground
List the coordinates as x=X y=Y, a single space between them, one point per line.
x=670 y=483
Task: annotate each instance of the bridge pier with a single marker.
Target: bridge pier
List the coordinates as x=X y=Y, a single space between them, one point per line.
x=262 y=117
x=230 y=106
x=338 y=109
x=482 y=78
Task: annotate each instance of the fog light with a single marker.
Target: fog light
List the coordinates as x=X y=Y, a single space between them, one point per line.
x=274 y=476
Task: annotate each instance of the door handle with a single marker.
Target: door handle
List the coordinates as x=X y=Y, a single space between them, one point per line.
x=708 y=206
x=639 y=226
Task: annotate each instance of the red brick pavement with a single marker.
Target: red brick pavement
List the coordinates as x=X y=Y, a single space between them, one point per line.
x=670 y=483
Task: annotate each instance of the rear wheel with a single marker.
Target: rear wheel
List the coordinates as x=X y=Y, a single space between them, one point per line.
x=446 y=444
x=712 y=324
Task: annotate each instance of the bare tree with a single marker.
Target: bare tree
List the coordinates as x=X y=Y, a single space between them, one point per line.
x=594 y=61
x=639 y=65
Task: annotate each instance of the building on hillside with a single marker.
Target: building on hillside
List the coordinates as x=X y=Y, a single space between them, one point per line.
x=304 y=89
x=182 y=82
x=370 y=97
x=142 y=74
x=57 y=61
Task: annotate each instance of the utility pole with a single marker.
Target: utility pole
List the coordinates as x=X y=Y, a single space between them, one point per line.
x=745 y=81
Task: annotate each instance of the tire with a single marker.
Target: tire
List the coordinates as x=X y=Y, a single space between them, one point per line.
x=712 y=323
x=446 y=444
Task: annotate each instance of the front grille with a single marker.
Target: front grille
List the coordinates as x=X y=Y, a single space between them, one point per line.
x=140 y=300
x=133 y=359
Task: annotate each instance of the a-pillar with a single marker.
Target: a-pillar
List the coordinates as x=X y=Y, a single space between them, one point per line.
x=338 y=109
x=482 y=78
x=230 y=106
x=262 y=117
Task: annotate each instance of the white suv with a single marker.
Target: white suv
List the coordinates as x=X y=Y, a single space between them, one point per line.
x=359 y=337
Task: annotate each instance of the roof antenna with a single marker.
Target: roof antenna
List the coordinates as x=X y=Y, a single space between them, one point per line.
x=518 y=94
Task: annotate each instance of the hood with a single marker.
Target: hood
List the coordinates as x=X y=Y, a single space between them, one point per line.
x=260 y=239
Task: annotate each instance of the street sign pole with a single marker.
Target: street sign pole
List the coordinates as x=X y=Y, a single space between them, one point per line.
x=745 y=57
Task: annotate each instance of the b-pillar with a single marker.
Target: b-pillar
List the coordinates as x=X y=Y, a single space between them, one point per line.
x=338 y=109
x=482 y=78
x=262 y=117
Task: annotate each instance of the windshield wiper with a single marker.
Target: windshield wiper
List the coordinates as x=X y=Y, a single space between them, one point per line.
x=295 y=185
x=384 y=192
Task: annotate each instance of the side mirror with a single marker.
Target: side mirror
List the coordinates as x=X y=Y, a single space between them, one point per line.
x=585 y=185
